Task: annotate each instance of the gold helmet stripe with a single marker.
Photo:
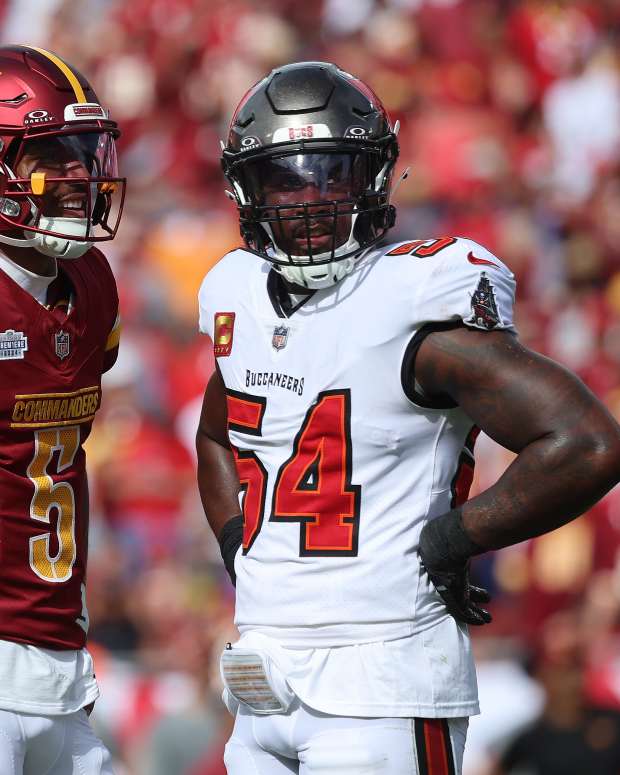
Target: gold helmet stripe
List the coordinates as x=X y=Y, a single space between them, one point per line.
x=66 y=70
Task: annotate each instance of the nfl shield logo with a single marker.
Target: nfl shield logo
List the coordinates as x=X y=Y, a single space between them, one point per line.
x=62 y=344
x=280 y=337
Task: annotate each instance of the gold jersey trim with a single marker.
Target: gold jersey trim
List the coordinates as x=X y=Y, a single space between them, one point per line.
x=114 y=335
x=59 y=395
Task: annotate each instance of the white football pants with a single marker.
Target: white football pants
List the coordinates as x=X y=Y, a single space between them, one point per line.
x=51 y=745
x=307 y=742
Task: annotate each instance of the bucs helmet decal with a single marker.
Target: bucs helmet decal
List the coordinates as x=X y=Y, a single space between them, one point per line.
x=60 y=191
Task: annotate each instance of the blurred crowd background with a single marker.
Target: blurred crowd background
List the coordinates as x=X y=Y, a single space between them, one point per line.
x=510 y=116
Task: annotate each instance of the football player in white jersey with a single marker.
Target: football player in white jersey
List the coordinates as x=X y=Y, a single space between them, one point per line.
x=336 y=443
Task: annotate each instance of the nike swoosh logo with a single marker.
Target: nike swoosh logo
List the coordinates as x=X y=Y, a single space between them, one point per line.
x=473 y=260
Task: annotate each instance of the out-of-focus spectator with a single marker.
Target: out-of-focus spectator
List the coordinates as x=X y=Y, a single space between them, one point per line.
x=571 y=736
x=500 y=676
x=582 y=115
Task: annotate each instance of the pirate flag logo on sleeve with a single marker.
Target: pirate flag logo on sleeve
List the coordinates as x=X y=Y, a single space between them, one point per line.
x=484 y=306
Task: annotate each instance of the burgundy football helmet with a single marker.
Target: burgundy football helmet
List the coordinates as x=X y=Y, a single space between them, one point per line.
x=59 y=186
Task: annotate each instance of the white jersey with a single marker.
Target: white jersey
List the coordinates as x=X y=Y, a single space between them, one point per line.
x=44 y=682
x=341 y=458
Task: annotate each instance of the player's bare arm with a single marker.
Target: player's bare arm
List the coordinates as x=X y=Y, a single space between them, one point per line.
x=567 y=443
x=217 y=475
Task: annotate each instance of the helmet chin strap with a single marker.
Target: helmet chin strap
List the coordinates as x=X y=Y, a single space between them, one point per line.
x=60 y=247
x=18 y=243
x=53 y=246
x=300 y=271
x=48 y=244
x=317 y=277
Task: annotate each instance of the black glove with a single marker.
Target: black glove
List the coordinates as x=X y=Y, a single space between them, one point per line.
x=445 y=549
x=230 y=540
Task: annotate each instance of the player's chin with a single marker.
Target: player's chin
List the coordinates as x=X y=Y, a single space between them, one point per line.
x=72 y=212
x=318 y=243
x=64 y=212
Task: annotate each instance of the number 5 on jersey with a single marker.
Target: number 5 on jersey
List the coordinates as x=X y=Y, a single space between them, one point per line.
x=49 y=496
x=313 y=487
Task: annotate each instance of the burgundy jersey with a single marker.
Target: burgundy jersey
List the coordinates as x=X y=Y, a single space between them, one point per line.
x=51 y=359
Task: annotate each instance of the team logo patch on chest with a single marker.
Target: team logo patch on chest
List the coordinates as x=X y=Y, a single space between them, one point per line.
x=62 y=344
x=223 y=331
x=13 y=345
x=280 y=337
x=483 y=305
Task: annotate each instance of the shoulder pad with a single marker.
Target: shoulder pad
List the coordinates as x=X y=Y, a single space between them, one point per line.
x=463 y=282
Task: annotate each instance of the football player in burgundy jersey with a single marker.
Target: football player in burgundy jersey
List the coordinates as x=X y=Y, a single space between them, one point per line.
x=352 y=379
x=60 y=194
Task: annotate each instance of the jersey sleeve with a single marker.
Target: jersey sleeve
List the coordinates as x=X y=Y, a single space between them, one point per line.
x=112 y=344
x=218 y=288
x=110 y=295
x=466 y=284
x=205 y=312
